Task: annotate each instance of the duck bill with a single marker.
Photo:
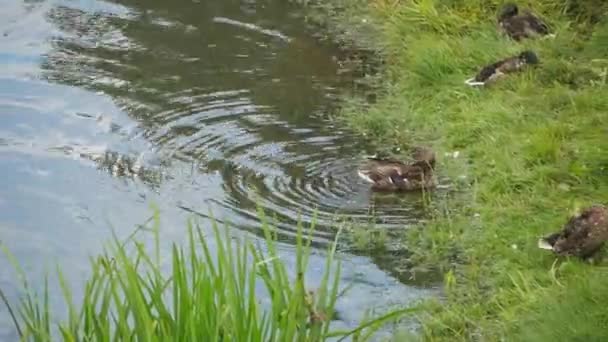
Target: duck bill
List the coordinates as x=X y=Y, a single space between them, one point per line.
x=544 y=244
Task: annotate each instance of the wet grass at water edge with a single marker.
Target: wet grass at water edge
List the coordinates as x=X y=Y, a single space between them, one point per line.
x=521 y=156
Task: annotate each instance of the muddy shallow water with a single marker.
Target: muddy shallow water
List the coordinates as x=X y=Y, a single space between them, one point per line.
x=194 y=106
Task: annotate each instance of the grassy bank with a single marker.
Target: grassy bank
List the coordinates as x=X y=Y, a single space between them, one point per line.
x=531 y=151
x=213 y=291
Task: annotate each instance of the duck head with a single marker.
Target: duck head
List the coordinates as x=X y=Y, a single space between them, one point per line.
x=509 y=10
x=529 y=57
x=424 y=156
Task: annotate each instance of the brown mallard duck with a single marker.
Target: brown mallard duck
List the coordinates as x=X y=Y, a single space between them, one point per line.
x=493 y=72
x=582 y=235
x=520 y=25
x=387 y=174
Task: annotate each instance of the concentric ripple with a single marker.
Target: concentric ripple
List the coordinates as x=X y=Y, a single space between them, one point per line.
x=250 y=107
x=214 y=107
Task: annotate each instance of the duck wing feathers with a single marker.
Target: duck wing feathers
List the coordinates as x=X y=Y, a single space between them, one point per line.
x=395 y=175
x=525 y=25
x=583 y=235
x=495 y=70
x=534 y=23
x=381 y=169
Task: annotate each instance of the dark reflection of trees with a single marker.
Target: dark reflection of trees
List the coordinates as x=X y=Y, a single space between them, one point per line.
x=158 y=65
x=170 y=68
x=191 y=83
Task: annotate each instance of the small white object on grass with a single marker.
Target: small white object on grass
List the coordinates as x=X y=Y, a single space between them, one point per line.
x=454 y=154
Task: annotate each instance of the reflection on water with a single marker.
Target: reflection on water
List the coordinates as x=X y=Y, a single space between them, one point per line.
x=226 y=96
x=217 y=104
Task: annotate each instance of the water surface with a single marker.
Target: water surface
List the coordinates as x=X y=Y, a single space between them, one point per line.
x=195 y=106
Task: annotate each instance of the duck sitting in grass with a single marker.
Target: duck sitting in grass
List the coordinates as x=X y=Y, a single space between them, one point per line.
x=388 y=174
x=520 y=25
x=582 y=236
x=493 y=72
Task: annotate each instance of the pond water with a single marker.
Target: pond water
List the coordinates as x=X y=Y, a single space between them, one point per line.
x=196 y=106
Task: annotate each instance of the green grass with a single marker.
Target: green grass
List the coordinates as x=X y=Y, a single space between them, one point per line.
x=211 y=293
x=532 y=150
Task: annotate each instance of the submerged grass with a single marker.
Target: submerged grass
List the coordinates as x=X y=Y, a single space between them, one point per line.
x=532 y=149
x=209 y=294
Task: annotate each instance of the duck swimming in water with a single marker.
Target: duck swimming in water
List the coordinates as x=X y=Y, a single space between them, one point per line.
x=582 y=235
x=520 y=25
x=388 y=174
x=495 y=71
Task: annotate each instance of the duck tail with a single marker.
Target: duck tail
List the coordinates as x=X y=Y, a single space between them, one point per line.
x=544 y=244
x=363 y=175
x=473 y=83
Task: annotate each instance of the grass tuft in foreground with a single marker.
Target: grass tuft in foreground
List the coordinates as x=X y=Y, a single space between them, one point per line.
x=211 y=293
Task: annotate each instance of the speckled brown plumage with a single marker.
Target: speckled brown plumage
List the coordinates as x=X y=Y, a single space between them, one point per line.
x=497 y=70
x=388 y=174
x=582 y=235
x=520 y=25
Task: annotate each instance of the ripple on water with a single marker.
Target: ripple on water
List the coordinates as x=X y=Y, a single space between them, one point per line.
x=222 y=113
x=290 y=170
x=266 y=152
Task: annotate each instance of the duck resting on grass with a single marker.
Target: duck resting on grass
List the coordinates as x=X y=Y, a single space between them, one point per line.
x=495 y=71
x=582 y=235
x=387 y=174
x=521 y=25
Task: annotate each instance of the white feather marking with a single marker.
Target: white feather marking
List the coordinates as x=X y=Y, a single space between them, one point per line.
x=473 y=83
x=364 y=176
x=543 y=244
